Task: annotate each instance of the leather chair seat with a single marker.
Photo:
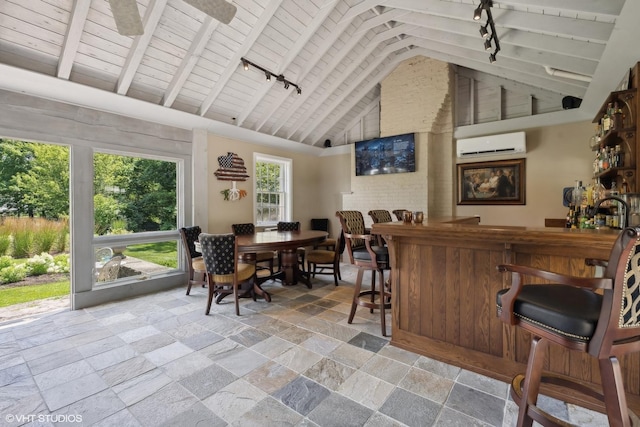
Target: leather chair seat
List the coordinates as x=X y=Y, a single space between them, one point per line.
x=382 y=254
x=570 y=311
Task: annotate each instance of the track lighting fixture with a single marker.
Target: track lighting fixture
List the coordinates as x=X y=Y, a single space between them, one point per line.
x=487 y=35
x=477 y=14
x=268 y=74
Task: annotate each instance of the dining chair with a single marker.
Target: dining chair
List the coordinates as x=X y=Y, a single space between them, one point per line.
x=324 y=259
x=322 y=224
x=224 y=271
x=367 y=256
x=301 y=252
x=598 y=316
x=195 y=264
x=266 y=257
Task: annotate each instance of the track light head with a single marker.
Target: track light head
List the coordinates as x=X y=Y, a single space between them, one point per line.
x=477 y=14
x=299 y=91
x=268 y=76
x=492 y=58
x=484 y=32
x=286 y=84
x=487 y=44
x=245 y=64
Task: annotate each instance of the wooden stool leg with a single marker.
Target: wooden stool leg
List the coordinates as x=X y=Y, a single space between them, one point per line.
x=382 y=300
x=356 y=295
x=532 y=381
x=614 y=396
x=373 y=289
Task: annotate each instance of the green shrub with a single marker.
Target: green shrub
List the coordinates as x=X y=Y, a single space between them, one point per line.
x=5 y=261
x=60 y=264
x=39 y=264
x=13 y=273
x=45 y=263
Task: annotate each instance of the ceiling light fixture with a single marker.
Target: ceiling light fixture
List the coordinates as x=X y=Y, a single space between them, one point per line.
x=268 y=74
x=486 y=5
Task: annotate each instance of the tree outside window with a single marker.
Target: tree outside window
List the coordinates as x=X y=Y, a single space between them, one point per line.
x=272 y=189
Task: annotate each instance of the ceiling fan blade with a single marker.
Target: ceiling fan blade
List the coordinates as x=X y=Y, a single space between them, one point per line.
x=220 y=10
x=127 y=17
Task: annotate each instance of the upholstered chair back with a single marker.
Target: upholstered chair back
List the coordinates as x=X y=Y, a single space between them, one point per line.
x=380 y=215
x=218 y=253
x=243 y=229
x=288 y=226
x=189 y=237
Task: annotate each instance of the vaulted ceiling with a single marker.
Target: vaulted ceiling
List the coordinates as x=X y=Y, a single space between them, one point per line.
x=336 y=51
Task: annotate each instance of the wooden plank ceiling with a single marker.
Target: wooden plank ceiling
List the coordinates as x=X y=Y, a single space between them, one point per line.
x=337 y=51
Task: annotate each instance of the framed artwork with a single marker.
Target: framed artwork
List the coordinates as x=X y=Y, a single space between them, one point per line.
x=500 y=182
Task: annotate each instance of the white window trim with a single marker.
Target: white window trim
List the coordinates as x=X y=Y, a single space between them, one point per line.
x=288 y=184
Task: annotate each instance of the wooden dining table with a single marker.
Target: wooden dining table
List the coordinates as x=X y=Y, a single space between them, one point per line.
x=285 y=242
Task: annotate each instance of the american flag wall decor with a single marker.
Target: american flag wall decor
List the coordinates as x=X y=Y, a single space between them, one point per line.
x=231 y=168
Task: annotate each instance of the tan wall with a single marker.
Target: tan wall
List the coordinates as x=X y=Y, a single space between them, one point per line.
x=556 y=157
x=317 y=183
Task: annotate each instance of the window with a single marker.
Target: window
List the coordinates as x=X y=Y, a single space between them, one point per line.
x=135 y=211
x=272 y=189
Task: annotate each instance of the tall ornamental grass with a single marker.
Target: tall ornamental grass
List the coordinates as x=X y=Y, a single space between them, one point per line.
x=5 y=241
x=30 y=236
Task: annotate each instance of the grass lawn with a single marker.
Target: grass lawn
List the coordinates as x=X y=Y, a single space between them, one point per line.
x=161 y=253
x=20 y=294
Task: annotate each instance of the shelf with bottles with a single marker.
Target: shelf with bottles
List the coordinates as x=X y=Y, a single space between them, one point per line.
x=616 y=120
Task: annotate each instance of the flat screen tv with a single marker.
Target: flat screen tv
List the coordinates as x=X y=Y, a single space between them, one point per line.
x=391 y=154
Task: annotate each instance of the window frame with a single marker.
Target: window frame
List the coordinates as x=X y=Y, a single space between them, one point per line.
x=287 y=182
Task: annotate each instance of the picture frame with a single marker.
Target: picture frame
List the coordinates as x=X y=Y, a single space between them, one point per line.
x=498 y=182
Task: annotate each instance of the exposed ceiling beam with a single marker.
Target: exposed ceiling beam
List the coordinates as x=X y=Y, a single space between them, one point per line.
x=140 y=44
x=391 y=65
x=335 y=34
x=354 y=83
x=256 y=31
x=336 y=60
x=504 y=67
x=196 y=48
x=300 y=43
x=359 y=8
x=561 y=62
x=72 y=37
x=365 y=111
x=609 y=8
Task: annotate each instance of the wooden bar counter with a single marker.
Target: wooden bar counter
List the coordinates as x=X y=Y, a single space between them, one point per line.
x=445 y=281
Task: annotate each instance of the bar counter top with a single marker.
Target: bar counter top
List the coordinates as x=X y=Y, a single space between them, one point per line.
x=468 y=228
x=444 y=283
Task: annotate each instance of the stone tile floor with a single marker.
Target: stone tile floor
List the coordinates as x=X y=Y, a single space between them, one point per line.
x=157 y=360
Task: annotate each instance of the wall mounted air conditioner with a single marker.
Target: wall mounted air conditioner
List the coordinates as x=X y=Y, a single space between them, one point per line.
x=492 y=145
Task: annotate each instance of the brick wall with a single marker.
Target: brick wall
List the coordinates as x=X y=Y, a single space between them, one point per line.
x=415 y=97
